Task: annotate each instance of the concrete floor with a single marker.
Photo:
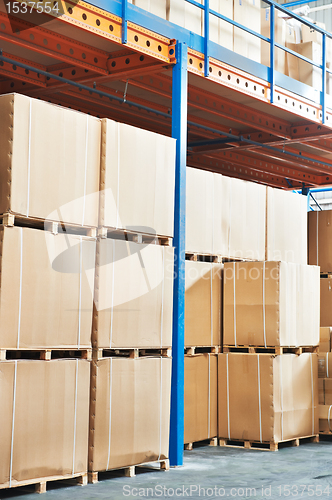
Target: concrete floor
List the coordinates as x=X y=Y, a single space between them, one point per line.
x=220 y=472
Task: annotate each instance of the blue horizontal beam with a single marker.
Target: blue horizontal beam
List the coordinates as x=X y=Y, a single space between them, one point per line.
x=298 y=2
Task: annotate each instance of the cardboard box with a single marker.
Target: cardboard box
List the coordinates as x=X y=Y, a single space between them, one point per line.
x=225 y=216
x=303 y=71
x=175 y=12
x=325 y=302
x=130 y=412
x=270 y=304
x=267 y=398
x=200 y=397
x=328 y=391
x=45 y=172
x=286 y=226
x=320 y=239
x=280 y=37
x=221 y=32
x=45 y=301
x=325 y=339
x=156 y=7
x=45 y=421
x=325 y=419
x=247 y=13
x=325 y=365
x=133 y=295
x=310 y=34
x=321 y=392
x=194 y=18
x=137 y=182
x=203 y=304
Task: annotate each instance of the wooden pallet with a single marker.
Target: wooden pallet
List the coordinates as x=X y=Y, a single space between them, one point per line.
x=131 y=353
x=134 y=236
x=196 y=257
x=266 y=446
x=277 y=350
x=326 y=275
x=45 y=354
x=40 y=484
x=207 y=442
x=55 y=227
x=130 y=471
x=191 y=351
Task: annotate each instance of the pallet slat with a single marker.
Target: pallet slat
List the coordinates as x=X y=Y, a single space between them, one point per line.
x=41 y=484
x=45 y=354
x=129 y=471
x=277 y=350
x=265 y=446
x=134 y=236
x=55 y=227
x=131 y=353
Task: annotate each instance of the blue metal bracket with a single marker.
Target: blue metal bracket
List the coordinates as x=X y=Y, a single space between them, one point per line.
x=124 y=21
x=272 y=78
x=311 y=196
x=206 y=38
x=179 y=132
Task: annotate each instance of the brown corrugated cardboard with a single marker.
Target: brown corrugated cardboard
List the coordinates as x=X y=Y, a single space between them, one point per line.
x=45 y=421
x=270 y=304
x=225 y=216
x=286 y=226
x=325 y=302
x=203 y=304
x=310 y=34
x=45 y=172
x=133 y=295
x=267 y=398
x=45 y=301
x=247 y=13
x=137 y=182
x=221 y=32
x=200 y=397
x=280 y=37
x=301 y=70
x=325 y=418
x=175 y=12
x=130 y=409
x=321 y=392
x=320 y=239
x=325 y=339
x=325 y=365
x=328 y=391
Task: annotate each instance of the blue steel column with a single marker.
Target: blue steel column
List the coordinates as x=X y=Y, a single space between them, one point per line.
x=272 y=40
x=206 y=37
x=124 y=20
x=179 y=132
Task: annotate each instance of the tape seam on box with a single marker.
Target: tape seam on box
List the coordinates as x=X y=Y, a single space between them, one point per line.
x=327 y=365
x=29 y=160
x=259 y=398
x=85 y=167
x=13 y=427
x=75 y=417
x=110 y=415
x=113 y=291
x=20 y=290
x=227 y=391
x=234 y=297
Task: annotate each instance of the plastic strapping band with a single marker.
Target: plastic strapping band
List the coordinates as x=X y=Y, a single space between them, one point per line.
x=20 y=292
x=80 y=295
x=312 y=398
x=160 y=405
x=211 y=308
x=259 y=398
x=228 y=422
x=264 y=326
x=234 y=297
x=162 y=298
x=328 y=418
x=85 y=167
x=13 y=427
x=113 y=292
x=75 y=419
x=118 y=185
x=317 y=238
x=29 y=161
x=209 y=400
x=110 y=416
x=281 y=400
x=327 y=365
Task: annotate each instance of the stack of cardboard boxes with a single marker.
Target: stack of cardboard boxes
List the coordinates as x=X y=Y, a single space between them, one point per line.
x=59 y=283
x=320 y=254
x=130 y=390
x=47 y=187
x=270 y=314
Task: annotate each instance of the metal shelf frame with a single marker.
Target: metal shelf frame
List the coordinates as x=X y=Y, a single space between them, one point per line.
x=268 y=128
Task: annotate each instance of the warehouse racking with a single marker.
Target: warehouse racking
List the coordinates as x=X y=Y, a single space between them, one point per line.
x=115 y=60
